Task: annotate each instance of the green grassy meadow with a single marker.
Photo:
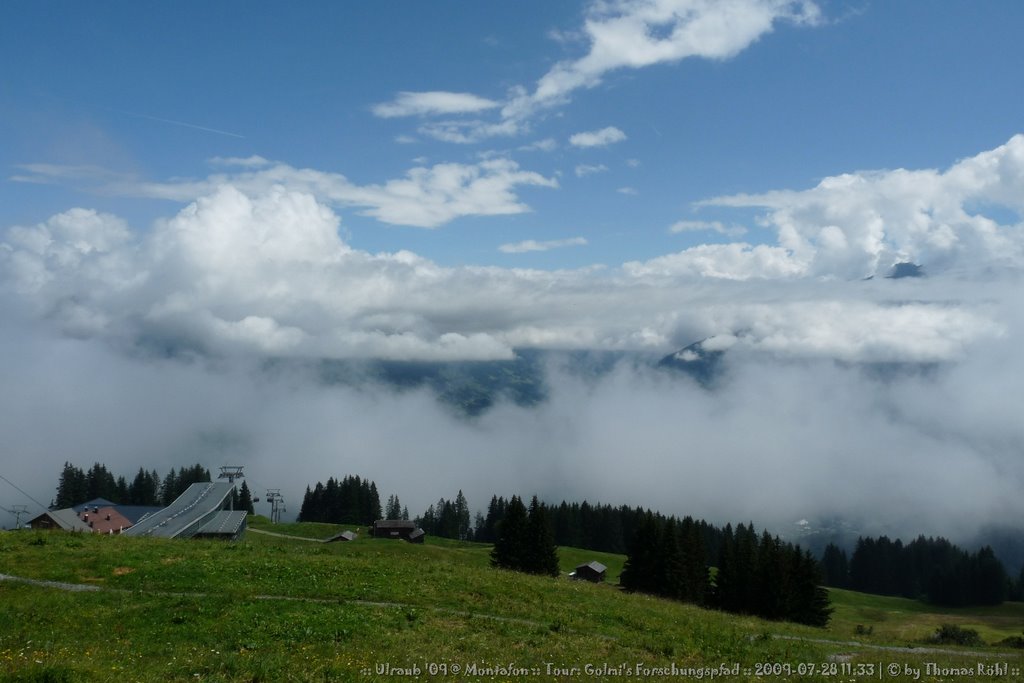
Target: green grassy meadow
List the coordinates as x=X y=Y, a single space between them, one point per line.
x=277 y=609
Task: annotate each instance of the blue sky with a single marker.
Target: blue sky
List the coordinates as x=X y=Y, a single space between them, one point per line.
x=244 y=181
x=857 y=86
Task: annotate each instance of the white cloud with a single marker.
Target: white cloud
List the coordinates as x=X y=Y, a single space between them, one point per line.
x=426 y=197
x=470 y=132
x=545 y=145
x=85 y=174
x=432 y=103
x=533 y=245
x=633 y=34
x=254 y=265
x=430 y=197
x=254 y=161
x=597 y=138
x=735 y=261
x=711 y=226
x=861 y=224
x=589 y=169
x=627 y=191
x=619 y=34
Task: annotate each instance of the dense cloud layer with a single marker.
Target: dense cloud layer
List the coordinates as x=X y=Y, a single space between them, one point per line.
x=936 y=452
x=255 y=265
x=149 y=348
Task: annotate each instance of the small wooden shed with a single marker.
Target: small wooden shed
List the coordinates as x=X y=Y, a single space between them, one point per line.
x=397 y=528
x=591 y=571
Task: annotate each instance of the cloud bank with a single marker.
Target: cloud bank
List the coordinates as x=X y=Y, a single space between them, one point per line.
x=895 y=402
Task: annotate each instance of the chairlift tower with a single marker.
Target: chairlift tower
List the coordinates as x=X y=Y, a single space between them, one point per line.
x=276 y=501
x=231 y=472
x=17 y=511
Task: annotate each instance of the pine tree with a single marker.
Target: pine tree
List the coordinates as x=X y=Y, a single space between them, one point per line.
x=836 y=566
x=373 y=510
x=393 y=509
x=669 y=578
x=808 y=601
x=122 y=491
x=771 y=583
x=640 y=571
x=510 y=544
x=462 y=517
x=71 y=487
x=541 y=552
x=725 y=589
x=695 y=564
x=245 y=500
x=169 y=489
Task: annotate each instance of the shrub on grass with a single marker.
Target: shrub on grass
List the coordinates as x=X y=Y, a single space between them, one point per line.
x=951 y=634
x=1013 y=641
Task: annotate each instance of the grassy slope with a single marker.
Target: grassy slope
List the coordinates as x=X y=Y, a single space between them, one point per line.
x=199 y=610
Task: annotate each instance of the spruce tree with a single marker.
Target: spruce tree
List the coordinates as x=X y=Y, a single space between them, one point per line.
x=669 y=571
x=836 y=566
x=462 y=516
x=71 y=488
x=541 y=552
x=695 y=567
x=245 y=500
x=510 y=544
x=639 y=573
x=771 y=586
x=393 y=509
x=808 y=601
x=169 y=489
x=725 y=588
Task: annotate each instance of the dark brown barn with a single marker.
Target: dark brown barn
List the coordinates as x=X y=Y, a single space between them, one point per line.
x=397 y=528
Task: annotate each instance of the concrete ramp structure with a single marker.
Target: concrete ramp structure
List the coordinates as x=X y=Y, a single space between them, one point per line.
x=187 y=515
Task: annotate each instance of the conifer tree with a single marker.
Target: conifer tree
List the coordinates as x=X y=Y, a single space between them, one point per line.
x=836 y=566
x=725 y=589
x=669 y=577
x=640 y=571
x=771 y=582
x=541 y=553
x=245 y=499
x=808 y=601
x=510 y=544
x=695 y=567
x=462 y=517
x=169 y=488
x=71 y=487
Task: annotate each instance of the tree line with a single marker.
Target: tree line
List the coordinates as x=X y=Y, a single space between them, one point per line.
x=761 y=576
x=352 y=500
x=930 y=569
x=666 y=556
x=448 y=519
x=76 y=486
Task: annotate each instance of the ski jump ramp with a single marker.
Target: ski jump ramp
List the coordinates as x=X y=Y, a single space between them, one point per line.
x=187 y=515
